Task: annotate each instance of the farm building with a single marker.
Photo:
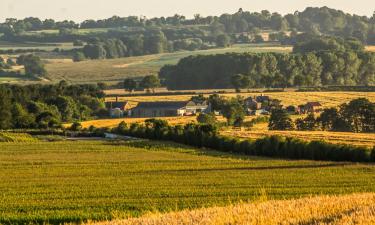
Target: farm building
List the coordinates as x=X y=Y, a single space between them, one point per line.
x=166 y=109
x=262 y=98
x=310 y=107
x=117 y=109
x=252 y=104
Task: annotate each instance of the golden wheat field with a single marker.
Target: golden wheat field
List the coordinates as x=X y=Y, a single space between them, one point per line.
x=370 y=48
x=114 y=122
x=261 y=130
x=339 y=210
x=327 y=99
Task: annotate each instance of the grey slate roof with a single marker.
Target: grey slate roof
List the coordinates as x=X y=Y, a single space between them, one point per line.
x=161 y=105
x=113 y=105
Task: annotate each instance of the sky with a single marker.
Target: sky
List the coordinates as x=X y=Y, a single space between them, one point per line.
x=79 y=10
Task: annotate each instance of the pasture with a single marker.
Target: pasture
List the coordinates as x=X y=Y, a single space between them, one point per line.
x=98 y=180
x=115 y=70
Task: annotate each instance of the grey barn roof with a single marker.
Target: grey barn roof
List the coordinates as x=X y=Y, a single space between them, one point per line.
x=113 y=105
x=161 y=105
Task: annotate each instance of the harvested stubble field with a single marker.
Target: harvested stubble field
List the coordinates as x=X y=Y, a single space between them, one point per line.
x=261 y=130
x=327 y=99
x=334 y=210
x=97 y=180
x=111 y=123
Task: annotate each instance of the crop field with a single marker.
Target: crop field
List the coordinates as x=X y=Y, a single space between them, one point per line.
x=261 y=130
x=114 y=70
x=350 y=209
x=98 y=180
x=114 y=122
x=16 y=137
x=327 y=99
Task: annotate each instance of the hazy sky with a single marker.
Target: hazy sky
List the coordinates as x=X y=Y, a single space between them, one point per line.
x=80 y=10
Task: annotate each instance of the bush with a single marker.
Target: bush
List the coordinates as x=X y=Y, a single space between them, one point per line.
x=78 y=57
x=76 y=126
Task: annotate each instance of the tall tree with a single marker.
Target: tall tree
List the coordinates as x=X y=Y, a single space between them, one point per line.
x=280 y=120
x=130 y=85
x=150 y=82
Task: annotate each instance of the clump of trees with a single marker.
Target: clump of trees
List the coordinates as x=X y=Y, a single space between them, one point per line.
x=356 y=116
x=33 y=65
x=108 y=49
x=47 y=106
x=332 y=62
x=280 y=120
x=149 y=83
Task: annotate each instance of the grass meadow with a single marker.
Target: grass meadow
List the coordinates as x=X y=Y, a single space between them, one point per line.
x=72 y=181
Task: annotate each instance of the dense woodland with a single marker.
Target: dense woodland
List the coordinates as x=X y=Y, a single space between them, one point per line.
x=47 y=106
x=315 y=61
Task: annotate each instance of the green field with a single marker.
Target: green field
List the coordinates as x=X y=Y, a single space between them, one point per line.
x=114 y=70
x=74 y=181
x=5 y=45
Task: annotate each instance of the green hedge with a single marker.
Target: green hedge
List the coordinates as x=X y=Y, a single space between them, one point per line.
x=273 y=146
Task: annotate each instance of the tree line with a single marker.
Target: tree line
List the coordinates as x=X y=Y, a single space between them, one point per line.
x=356 y=116
x=313 y=20
x=47 y=106
x=137 y=45
x=315 y=62
x=206 y=135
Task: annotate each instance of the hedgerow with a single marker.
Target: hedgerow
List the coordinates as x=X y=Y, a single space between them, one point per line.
x=205 y=135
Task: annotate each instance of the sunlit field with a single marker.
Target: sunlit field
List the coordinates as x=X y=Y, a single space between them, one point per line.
x=261 y=130
x=98 y=180
x=351 y=209
x=327 y=99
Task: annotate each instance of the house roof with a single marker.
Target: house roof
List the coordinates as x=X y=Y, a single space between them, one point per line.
x=112 y=105
x=313 y=104
x=263 y=98
x=161 y=105
x=195 y=103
